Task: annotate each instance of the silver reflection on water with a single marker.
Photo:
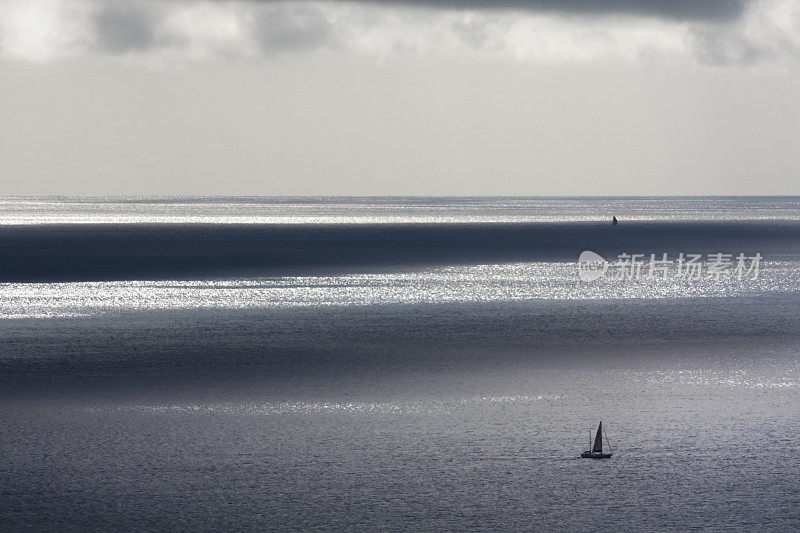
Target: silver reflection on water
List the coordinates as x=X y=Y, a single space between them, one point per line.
x=331 y=407
x=474 y=283
x=372 y=210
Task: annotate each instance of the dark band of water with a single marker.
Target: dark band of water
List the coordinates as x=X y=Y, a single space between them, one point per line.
x=84 y=252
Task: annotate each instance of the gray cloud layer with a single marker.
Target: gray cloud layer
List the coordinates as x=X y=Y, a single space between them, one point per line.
x=124 y=27
x=282 y=26
x=706 y=32
x=300 y=28
x=672 y=9
x=275 y=26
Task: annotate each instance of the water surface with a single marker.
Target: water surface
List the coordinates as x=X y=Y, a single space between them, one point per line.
x=443 y=372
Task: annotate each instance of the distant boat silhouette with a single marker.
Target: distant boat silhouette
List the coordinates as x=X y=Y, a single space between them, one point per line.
x=596 y=451
x=614 y=221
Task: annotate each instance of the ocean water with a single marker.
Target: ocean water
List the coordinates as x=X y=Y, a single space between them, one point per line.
x=396 y=364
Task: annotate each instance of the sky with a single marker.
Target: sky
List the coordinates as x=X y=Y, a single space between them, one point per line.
x=387 y=97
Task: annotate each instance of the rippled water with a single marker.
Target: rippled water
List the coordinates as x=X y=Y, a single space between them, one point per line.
x=705 y=439
x=447 y=396
x=370 y=210
x=473 y=283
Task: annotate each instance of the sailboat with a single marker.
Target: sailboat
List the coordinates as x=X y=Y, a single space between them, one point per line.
x=595 y=450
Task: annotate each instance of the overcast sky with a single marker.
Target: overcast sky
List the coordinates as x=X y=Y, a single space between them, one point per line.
x=454 y=97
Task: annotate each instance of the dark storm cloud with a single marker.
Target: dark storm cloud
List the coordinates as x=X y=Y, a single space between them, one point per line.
x=673 y=9
x=123 y=28
x=301 y=28
x=278 y=27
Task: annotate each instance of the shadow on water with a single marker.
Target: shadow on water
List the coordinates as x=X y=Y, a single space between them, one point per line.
x=224 y=351
x=94 y=252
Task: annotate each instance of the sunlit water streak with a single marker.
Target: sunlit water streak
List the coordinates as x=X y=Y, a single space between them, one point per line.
x=355 y=210
x=736 y=379
x=475 y=283
x=327 y=408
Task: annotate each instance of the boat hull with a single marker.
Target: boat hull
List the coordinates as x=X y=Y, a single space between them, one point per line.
x=594 y=455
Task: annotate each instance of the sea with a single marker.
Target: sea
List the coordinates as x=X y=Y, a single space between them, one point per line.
x=399 y=364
